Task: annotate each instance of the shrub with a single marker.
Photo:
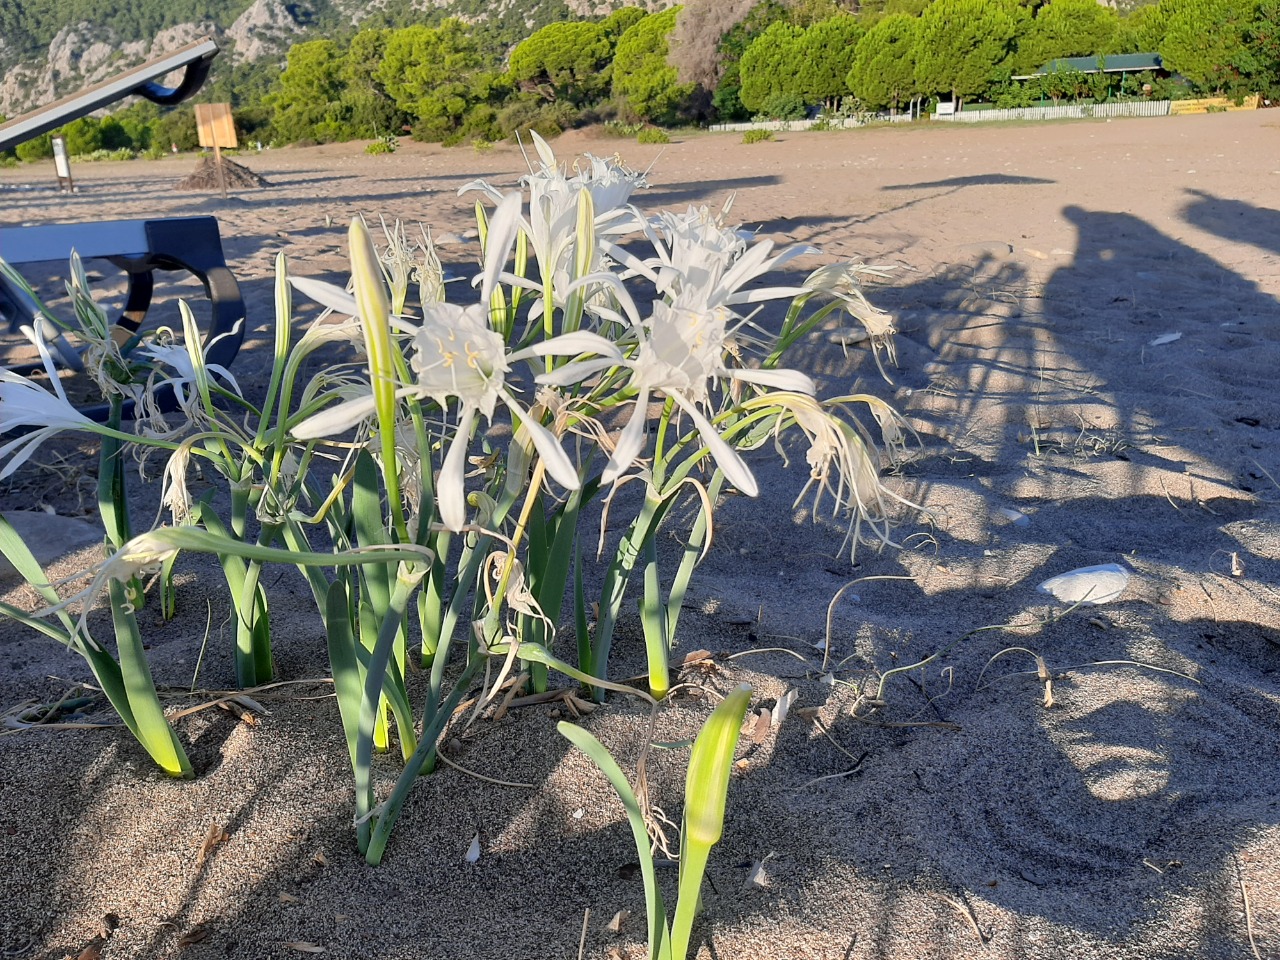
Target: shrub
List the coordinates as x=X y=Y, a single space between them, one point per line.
x=620 y=128
x=41 y=148
x=97 y=156
x=757 y=136
x=652 y=135
x=548 y=119
x=784 y=106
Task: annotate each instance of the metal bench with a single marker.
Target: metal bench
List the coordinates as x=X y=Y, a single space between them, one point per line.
x=139 y=247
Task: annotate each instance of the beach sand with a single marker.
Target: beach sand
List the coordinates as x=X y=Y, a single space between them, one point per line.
x=1130 y=807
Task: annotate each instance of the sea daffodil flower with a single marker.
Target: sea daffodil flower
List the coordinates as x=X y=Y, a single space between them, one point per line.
x=457 y=355
x=680 y=355
x=554 y=199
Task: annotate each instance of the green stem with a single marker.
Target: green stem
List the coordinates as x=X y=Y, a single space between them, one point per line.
x=432 y=728
x=614 y=590
x=375 y=677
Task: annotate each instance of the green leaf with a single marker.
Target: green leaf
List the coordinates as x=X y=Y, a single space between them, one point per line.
x=152 y=729
x=348 y=681
x=659 y=935
x=705 y=793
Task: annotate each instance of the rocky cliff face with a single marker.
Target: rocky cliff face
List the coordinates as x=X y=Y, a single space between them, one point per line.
x=85 y=53
x=266 y=29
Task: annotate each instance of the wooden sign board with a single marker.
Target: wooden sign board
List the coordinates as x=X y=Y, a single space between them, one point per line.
x=214 y=125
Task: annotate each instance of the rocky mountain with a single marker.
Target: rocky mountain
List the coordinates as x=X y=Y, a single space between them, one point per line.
x=49 y=48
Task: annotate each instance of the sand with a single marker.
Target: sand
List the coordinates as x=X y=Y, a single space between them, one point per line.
x=1128 y=808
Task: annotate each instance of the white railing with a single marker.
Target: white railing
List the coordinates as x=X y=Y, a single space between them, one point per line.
x=835 y=123
x=1066 y=111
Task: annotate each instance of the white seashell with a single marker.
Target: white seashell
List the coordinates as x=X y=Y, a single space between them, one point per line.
x=1088 y=585
x=1016 y=517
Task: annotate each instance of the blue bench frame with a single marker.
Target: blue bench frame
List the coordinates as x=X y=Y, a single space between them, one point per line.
x=139 y=247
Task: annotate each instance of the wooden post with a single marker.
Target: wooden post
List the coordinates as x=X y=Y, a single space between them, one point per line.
x=216 y=128
x=222 y=176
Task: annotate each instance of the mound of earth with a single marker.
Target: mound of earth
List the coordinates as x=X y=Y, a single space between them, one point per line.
x=205 y=176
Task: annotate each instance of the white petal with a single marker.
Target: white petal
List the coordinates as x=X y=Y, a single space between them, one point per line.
x=327 y=295
x=726 y=457
x=491 y=192
x=503 y=226
x=336 y=419
x=766 y=293
x=451 y=492
x=25 y=403
x=36 y=335
x=629 y=260
x=572 y=373
x=792 y=380
x=26 y=445
x=749 y=265
x=571 y=345
x=544 y=149
x=224 y=376
x=558 y=463
x=630 y=442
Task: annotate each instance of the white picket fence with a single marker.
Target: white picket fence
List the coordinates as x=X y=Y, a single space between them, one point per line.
x=1066 y=111
x=842 y=123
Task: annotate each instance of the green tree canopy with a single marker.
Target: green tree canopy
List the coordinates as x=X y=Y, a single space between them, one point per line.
x=733 y=44
x=641 y=75
x=305 y=103
x=367 y=108
x=566 y=60
x=435 y=75
x=620 y=21
x=883 y=72
x=1067 y=28
x=1266 y=39
x=771 y=66
x=1207 y=41
x=1142 y=31
x=964 y=43
x=827 y=52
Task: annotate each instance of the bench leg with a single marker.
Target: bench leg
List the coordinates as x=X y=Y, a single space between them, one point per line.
x=138 y=300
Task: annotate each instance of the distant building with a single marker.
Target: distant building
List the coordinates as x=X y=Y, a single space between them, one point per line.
x=1121 y=63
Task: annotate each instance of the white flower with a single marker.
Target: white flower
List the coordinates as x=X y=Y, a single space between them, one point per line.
x=841 y=457
x=25 y=404
x=458 y=356
x=843 y=282
x=680 y=354
x=554 y=207
x=173 y=489
x=700 y=259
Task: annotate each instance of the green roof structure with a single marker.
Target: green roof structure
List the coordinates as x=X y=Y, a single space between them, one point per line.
x=1114 y=63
